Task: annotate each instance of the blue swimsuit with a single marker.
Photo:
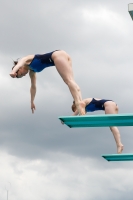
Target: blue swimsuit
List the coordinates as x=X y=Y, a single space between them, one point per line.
x=96 y=105
x=41 y=61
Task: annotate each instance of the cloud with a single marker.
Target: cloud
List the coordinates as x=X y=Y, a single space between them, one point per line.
x=68 y=177
x=38 y=154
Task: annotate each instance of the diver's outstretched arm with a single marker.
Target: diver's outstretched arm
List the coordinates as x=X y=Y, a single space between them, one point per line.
x=33 y=89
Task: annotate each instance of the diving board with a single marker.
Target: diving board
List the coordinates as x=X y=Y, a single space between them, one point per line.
x=118 y=157
x=130 y=9
x=105 y=120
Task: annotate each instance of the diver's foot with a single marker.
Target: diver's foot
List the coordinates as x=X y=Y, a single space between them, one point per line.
x=120 y=148
x=81 y=108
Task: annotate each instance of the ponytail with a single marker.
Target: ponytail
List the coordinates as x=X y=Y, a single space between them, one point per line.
x=15 y=62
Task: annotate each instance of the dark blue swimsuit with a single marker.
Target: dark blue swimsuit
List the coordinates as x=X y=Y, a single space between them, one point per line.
x=41 y=61
x=96 y=105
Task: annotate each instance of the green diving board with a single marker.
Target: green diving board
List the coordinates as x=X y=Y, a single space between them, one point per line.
x=130 y=9
x=118 y=157
x=105 y=120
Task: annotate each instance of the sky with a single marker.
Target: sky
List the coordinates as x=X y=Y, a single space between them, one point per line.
x=39 y=157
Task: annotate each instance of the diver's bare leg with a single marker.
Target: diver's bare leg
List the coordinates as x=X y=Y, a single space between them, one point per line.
x=112 y=108
x=63 y=65
x=116 y=135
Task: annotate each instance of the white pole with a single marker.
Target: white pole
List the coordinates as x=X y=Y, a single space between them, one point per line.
x=7 y=188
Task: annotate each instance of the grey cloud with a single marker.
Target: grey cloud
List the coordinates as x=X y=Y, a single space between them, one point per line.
x=101 y=50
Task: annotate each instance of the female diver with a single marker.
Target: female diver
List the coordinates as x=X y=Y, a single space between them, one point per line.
x=110 y=107
x=36 y=63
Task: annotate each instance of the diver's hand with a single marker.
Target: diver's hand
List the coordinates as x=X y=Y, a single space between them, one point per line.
x=33 y=108
x=13 y=75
